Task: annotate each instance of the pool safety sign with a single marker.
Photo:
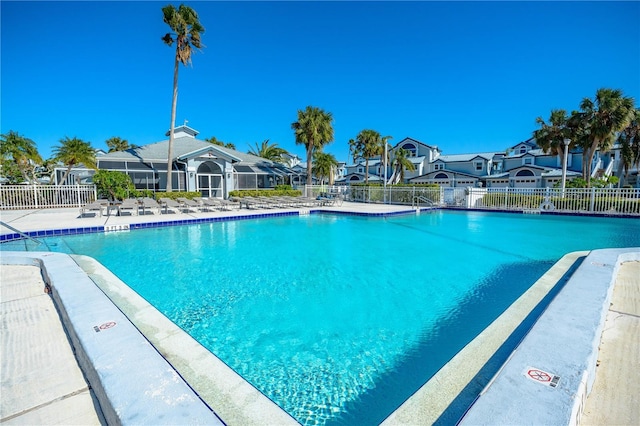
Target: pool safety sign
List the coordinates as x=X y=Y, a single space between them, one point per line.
x=105 y=326
x=541 y=376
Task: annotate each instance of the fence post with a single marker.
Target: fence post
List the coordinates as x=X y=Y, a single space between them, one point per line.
x=506 y=198
x=593 y=199
x=35 y=196
x=78 y=194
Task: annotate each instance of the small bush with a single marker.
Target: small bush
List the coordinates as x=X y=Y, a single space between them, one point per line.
x=177 y=194
x=265 y=193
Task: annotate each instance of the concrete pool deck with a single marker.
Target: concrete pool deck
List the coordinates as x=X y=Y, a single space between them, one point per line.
x=38 y=220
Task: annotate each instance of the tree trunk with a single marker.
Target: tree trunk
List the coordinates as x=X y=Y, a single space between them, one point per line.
x=174 y=105
x=66 y=173
x=309 y=157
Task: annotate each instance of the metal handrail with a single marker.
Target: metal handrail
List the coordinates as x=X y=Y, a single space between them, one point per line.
x=22 y=234
x=421 y=198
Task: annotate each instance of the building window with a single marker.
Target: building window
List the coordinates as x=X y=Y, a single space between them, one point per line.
x=523 y=149
x=478 y=165
x=360 y=169
x=411 y=148
x=438 y=166
x=527 y=160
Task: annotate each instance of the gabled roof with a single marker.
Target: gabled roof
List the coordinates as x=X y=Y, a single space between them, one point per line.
x=531 y=142
x=431 y=175
x=533 y=152
x=408 y=139
x=183 y=147
x=463 y=158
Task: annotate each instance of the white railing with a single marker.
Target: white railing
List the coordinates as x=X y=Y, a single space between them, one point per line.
x=19 y=197
x=574 y=200
x=623 y=201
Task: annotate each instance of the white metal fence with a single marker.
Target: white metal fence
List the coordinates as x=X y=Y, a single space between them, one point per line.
x=18 y=197
x=625 y=201
x=573 y=200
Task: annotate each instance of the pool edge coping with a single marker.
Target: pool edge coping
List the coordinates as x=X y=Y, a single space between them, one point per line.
x=582 y=307
x=133 y=384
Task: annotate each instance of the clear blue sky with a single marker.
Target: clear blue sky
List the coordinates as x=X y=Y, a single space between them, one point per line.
x=465 y=76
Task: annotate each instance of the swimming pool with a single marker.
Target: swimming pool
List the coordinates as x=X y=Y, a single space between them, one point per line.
x=340 y=319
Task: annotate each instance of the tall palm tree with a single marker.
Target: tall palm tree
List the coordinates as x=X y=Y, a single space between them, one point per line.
x=609 y=113
x=550 y=136
x=21 y=152
x=313 y=130
x=324 y=165
x=116 y=143
x=401 y=163
x=185 y=31
x=269 y=151
x=72 y=152
x=629 y=140
x=368 y=143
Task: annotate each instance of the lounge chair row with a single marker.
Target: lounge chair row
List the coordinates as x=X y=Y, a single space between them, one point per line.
x=146 y=205
x=279 y=202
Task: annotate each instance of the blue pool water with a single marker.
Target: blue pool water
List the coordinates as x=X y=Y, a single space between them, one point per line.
x=340 y=319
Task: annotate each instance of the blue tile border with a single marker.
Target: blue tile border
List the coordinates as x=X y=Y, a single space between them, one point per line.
x=146 y=225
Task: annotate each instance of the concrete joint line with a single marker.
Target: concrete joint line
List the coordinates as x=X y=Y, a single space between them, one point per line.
x=45 y=404
x=628 y=314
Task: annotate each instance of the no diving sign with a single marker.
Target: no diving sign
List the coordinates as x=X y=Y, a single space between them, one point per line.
x=541 y=376
x=105 y=326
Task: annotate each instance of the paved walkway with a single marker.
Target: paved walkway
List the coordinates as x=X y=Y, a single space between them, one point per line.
x=614 y=397
x=45 y=219
x=41 y=382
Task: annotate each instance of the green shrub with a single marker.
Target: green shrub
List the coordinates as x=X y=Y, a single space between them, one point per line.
x=265 y=193
x=113 y=185
x=177 y=194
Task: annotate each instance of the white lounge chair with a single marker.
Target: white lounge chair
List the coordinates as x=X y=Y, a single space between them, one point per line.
x=92 y=207
x=168 y=203
x=129 y=205
x=189 y=204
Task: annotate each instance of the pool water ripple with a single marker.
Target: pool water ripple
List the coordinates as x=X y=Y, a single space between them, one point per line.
x=340 y=319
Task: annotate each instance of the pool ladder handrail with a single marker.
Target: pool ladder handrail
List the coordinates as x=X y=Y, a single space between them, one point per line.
x=22 y=234
x=421 y=198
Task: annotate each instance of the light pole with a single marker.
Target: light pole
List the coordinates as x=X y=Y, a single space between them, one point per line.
x=384 y=184
x=566 y=143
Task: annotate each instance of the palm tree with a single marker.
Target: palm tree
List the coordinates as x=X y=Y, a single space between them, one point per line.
x=269 y=151
x=324 y=165
x=21 y=152
x=185 y=31
x=116 y=143
x=72 y=152
x=368 y=143
x=602 y=118
x=216 y=141
x=629 y=140
x=313 y=130
x=550 y=136
x=402 y=163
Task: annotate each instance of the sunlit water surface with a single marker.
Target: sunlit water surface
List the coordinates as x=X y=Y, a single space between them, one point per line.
x=340 y=319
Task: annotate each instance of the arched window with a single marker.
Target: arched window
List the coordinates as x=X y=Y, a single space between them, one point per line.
x=209 y=168
x=411 y=148
x=354 y=178
x=441 y=176
x=524 y=172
